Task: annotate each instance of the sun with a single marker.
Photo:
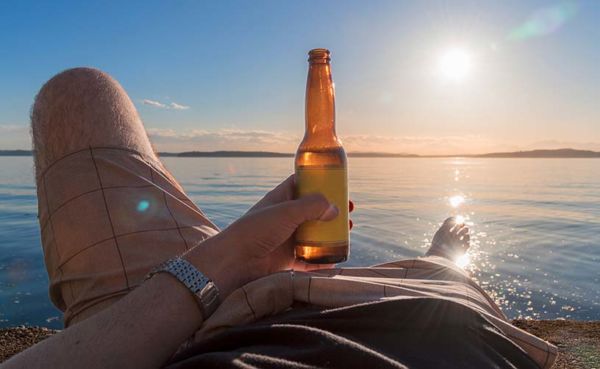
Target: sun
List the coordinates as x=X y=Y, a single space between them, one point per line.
x=455 y=64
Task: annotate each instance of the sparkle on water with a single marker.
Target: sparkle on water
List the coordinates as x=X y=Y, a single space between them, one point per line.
x=534 y=224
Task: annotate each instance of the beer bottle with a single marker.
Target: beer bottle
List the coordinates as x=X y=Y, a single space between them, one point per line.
x=321 y=166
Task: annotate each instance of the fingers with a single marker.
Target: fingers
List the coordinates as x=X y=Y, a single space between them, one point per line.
x=295 y=212
x=312 y=207
x=350 y=209
x=283 y=192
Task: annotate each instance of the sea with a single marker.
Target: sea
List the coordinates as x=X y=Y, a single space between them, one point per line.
x=535 y=224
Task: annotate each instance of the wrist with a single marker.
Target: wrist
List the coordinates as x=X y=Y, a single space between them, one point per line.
x=211 y=260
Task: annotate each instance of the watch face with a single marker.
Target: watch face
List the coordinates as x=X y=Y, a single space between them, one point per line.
x=209 y=299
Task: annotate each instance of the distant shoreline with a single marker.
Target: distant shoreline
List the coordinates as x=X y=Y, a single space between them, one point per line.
x=536 y=154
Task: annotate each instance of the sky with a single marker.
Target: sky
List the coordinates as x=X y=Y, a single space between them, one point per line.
x=424 y=77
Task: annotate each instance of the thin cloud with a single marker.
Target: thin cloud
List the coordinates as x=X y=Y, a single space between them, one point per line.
x=222 y=139
x=176 y=106
x=160 y=105
x=263 y=140
x=157 y=104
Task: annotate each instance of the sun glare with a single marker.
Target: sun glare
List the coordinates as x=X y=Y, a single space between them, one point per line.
x=463 y=260
x=455 y=64
x=456 y=200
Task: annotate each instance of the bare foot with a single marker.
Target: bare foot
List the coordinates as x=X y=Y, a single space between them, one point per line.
x=450 y=241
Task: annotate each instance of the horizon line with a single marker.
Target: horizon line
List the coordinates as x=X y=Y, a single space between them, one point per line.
x=535 y=153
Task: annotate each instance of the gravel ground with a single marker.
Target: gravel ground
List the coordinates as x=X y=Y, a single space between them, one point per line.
x=17 y=339
x=578 y=342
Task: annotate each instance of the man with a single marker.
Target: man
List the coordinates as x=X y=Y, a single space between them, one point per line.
x=110 y=213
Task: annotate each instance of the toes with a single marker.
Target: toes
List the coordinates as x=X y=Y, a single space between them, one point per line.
x=463 y=231
x=455 y=223
x=458 y=227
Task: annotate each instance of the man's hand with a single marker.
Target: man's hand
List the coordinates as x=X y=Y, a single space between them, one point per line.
x=260 y=242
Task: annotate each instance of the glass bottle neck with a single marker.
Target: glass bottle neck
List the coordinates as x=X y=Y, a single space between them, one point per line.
x=320 y=102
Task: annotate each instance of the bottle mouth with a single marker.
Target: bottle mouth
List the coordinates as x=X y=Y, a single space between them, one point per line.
x=319 y=56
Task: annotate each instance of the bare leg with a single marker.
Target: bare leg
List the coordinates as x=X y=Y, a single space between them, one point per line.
x=85 y=107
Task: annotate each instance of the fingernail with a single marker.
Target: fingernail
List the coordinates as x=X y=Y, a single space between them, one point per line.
x=331 y=212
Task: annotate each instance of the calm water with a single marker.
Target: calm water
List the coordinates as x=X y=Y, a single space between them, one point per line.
x=535 y=223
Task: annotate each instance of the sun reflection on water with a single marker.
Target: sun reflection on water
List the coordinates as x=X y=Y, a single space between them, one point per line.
x=456 y=200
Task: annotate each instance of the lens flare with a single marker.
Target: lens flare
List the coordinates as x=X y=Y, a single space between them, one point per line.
x=143 y=206
x=545 y=21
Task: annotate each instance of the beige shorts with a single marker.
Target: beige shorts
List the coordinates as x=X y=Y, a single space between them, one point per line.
x=107 y=217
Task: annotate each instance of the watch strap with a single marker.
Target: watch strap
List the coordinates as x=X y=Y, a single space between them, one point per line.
x=203 y=289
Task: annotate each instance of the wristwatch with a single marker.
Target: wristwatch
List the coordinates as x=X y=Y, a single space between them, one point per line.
x=203 y=289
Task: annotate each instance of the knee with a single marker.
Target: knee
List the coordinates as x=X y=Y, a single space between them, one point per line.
x=81 y=107
x=79 y=96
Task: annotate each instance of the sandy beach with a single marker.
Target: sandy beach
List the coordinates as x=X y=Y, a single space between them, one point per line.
x=578 y=342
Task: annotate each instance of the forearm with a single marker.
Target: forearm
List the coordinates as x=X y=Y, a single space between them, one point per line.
x=140 y=331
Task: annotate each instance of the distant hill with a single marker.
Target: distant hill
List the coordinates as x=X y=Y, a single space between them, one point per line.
x=15 y=152
x=268 y=154
x=558 y=153
x=228 y=154
x=380 y=155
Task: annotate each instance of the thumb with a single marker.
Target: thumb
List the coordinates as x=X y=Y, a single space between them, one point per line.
x=310 y=207
x=271 y=226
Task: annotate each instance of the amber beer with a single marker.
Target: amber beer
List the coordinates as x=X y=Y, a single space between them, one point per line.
x=321 y=166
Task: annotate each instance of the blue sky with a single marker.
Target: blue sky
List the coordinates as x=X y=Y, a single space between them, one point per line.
x=231 y=74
